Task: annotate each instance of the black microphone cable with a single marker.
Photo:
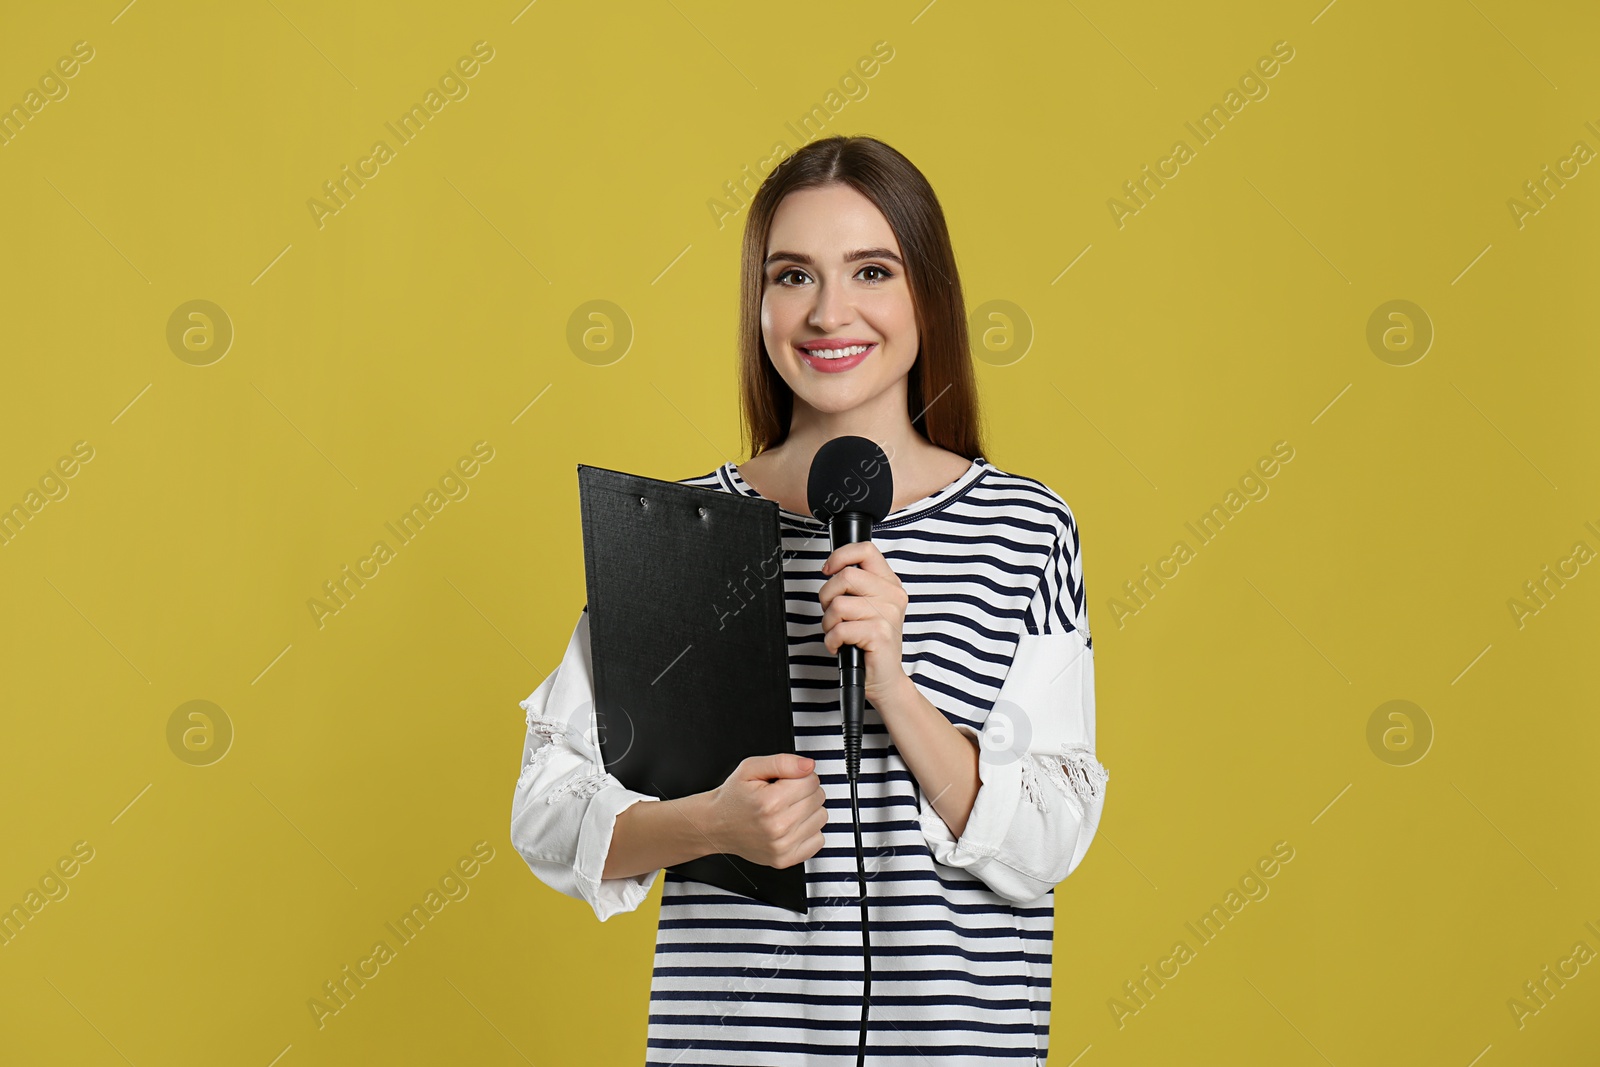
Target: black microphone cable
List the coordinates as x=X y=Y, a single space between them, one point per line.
x=852 y=764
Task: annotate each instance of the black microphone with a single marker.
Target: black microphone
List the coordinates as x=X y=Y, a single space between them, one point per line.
x=850 y=488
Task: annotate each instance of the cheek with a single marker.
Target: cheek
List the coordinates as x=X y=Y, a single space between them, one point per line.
x=772 y=338
x=905 y=357
x=772 y=314
x=894 y=314
x=777 y=315
x=899 y=320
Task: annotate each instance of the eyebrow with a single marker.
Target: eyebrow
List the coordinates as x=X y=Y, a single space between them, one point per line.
x=849 y=257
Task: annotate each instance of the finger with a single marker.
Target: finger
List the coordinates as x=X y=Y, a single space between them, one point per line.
x=803 y=829
x=791 y=803
x=852 y=609
x=806 y=797
x=781 y=765
x=853 y=580
x=863 y=554
x=860 y=633
x=890 y=606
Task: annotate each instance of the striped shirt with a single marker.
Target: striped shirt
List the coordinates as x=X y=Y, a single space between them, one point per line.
x=996 y=637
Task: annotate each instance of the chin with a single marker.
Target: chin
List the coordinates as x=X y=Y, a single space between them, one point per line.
x=836 y=401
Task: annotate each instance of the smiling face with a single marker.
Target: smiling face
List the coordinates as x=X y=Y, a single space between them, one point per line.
x=833 y=274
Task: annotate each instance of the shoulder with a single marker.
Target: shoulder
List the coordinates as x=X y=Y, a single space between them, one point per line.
x=1028 y=500
x=1058 y=604
x=712 y=479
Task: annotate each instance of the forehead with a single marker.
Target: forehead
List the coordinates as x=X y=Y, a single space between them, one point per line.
x=828 y=221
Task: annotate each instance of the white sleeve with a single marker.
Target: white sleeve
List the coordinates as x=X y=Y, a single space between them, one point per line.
x=566 y=804
x=1042 y=789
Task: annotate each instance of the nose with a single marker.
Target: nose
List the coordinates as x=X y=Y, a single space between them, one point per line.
x=832 y=308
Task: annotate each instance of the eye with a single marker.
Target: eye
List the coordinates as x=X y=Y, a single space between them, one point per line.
x=883 y=272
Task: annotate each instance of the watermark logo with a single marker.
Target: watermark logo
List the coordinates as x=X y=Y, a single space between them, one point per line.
x=738 y=192
x=1399 y=733
x=453 y=886
x=1007 y=733
x=199 y=733
x=1002 y=333
x=599 y=332
x=52 y=888
x=613 y=736
x=1253 y=87
x=1137 y=993
x=1540 y=991
x=340 y=591
x=199 y=333
x=1139 y=592
x=52 y=487
x=454 y=85
x=1540 y=590
x=1399 y=333
x=1543 y=189
x=52 y=89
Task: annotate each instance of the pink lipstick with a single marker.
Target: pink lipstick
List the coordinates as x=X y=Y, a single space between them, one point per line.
x=832 y=355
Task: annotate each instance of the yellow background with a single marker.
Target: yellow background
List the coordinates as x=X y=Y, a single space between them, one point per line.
x=433 y=311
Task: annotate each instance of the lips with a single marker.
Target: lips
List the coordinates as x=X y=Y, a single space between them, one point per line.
x=821 y=355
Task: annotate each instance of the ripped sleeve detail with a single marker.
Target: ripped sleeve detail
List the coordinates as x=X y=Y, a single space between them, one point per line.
x=553 y=736
x=1074 y=771
x=583 y=787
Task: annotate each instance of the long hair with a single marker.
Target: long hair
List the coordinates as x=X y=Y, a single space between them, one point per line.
x=941 y=393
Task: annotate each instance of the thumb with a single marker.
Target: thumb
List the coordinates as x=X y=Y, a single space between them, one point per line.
x=779 y=765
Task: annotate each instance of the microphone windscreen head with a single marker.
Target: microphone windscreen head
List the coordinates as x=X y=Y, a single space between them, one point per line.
x=850 y=474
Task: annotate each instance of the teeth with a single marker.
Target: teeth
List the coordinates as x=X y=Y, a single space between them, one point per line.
x=838 y=353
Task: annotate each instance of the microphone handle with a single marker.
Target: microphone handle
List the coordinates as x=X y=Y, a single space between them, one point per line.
x=846 y=528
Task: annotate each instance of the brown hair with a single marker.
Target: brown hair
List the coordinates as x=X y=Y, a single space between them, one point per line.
x=941 y=395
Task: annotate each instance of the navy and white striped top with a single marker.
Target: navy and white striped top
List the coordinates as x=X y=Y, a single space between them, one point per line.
x=961 y=930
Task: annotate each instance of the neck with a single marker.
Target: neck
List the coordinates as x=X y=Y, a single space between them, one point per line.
x=882 y=420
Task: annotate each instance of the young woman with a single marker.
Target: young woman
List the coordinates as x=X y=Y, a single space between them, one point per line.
x=979 y=786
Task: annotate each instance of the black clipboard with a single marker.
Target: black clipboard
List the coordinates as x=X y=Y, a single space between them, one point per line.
x=690 y=647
